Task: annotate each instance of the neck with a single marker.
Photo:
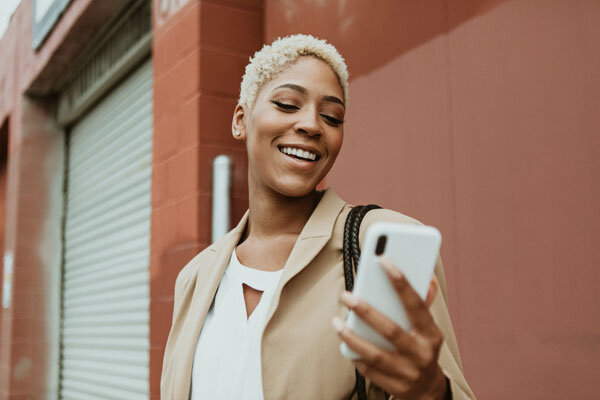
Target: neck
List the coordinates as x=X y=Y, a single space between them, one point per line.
x=272 y=214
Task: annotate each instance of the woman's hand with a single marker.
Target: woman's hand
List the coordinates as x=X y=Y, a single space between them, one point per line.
x=411 y=370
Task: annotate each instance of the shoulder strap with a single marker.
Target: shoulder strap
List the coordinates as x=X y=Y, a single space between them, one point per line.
x=351 y=252
x=351 y=245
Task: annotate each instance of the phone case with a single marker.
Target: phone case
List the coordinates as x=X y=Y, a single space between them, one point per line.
x=412 y=248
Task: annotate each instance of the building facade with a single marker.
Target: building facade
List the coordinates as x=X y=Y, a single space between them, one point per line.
x=111 y=114
x=478 y=117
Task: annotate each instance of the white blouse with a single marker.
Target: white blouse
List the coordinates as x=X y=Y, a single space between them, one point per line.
x=227 y=361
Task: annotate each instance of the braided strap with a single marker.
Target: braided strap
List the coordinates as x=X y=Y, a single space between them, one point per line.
x=351 y=247
x=351 y=252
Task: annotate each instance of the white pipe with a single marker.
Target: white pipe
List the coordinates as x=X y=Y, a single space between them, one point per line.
x=221 y=202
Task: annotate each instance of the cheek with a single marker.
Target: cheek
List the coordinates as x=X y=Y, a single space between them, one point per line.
x=257 y=156
x=265 y=128
x=335 y=143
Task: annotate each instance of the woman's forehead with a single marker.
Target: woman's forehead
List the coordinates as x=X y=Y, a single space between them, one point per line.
x=310 y=73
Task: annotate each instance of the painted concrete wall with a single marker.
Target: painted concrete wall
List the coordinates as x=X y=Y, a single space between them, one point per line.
x=481 y=117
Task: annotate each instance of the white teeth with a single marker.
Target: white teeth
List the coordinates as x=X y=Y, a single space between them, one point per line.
x=299 y=153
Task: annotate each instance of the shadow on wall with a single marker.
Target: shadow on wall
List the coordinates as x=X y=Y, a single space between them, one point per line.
x=401 y=25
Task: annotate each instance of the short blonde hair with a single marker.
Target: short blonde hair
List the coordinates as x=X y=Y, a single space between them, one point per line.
x=273 y=59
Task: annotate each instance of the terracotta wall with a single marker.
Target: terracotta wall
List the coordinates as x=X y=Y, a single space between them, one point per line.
x=481 y=117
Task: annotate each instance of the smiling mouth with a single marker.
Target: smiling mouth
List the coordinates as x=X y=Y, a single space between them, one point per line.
x=299 y=153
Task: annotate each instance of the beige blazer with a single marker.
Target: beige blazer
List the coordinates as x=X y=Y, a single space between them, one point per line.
x=300 y=350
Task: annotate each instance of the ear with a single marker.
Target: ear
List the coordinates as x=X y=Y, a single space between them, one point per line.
x=238 y=124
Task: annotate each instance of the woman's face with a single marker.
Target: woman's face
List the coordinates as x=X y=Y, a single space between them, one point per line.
x=294 y=132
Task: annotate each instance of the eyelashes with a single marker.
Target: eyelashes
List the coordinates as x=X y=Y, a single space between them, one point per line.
x=333 y=121
x=285 y=106
x=290 y=107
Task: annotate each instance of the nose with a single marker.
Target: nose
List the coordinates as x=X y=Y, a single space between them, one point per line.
x=308 y=123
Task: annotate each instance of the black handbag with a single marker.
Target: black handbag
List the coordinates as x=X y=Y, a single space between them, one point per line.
x=351 y=251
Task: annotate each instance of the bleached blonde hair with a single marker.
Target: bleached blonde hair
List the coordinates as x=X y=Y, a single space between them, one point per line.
x=272 y=59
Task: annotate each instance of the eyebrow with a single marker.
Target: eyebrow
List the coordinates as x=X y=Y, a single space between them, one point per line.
x=302 y=90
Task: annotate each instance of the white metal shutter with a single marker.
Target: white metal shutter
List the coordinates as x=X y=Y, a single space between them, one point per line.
x=105 y=325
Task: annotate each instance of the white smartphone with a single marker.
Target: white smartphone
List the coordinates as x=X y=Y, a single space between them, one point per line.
x=412 y=248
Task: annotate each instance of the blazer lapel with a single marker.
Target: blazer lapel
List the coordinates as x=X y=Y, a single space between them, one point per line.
x=208 y=278
x=314 y=236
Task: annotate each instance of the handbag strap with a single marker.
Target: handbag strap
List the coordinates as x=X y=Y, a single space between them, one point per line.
x=351 y=252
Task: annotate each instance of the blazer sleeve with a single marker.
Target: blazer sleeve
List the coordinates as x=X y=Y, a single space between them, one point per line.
x=449 y=359
x=182 y=297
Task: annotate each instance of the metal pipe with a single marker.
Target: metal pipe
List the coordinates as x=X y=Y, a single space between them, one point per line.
x=221 y=201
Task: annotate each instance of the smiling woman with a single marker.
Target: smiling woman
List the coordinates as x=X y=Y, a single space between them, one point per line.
x=257 y=314
x=300 y=109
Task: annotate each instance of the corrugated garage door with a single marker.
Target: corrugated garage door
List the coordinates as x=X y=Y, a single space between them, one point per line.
x=105 y=326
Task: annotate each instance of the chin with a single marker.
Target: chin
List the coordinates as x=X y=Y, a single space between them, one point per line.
x=296 y=189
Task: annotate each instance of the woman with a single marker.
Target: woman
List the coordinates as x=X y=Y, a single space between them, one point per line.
x=260 y=312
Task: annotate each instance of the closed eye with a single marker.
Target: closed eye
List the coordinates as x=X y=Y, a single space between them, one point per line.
x=290 y=107
x=332 y=120
x=284 y=105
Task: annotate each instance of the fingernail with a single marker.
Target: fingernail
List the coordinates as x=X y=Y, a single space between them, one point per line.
x=390 y=268
x=349 y=299
x=338 y=324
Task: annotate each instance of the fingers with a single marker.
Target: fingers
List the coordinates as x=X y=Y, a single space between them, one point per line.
x=409 y=369
x=408 y=386
x=375 y=357
x=365 y=349
x=416 y=309
x=433 y=289
x=406 y=371
x=381 y=379
x=403 y=341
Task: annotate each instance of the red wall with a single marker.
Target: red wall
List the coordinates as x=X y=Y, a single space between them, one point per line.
x=481 y=117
